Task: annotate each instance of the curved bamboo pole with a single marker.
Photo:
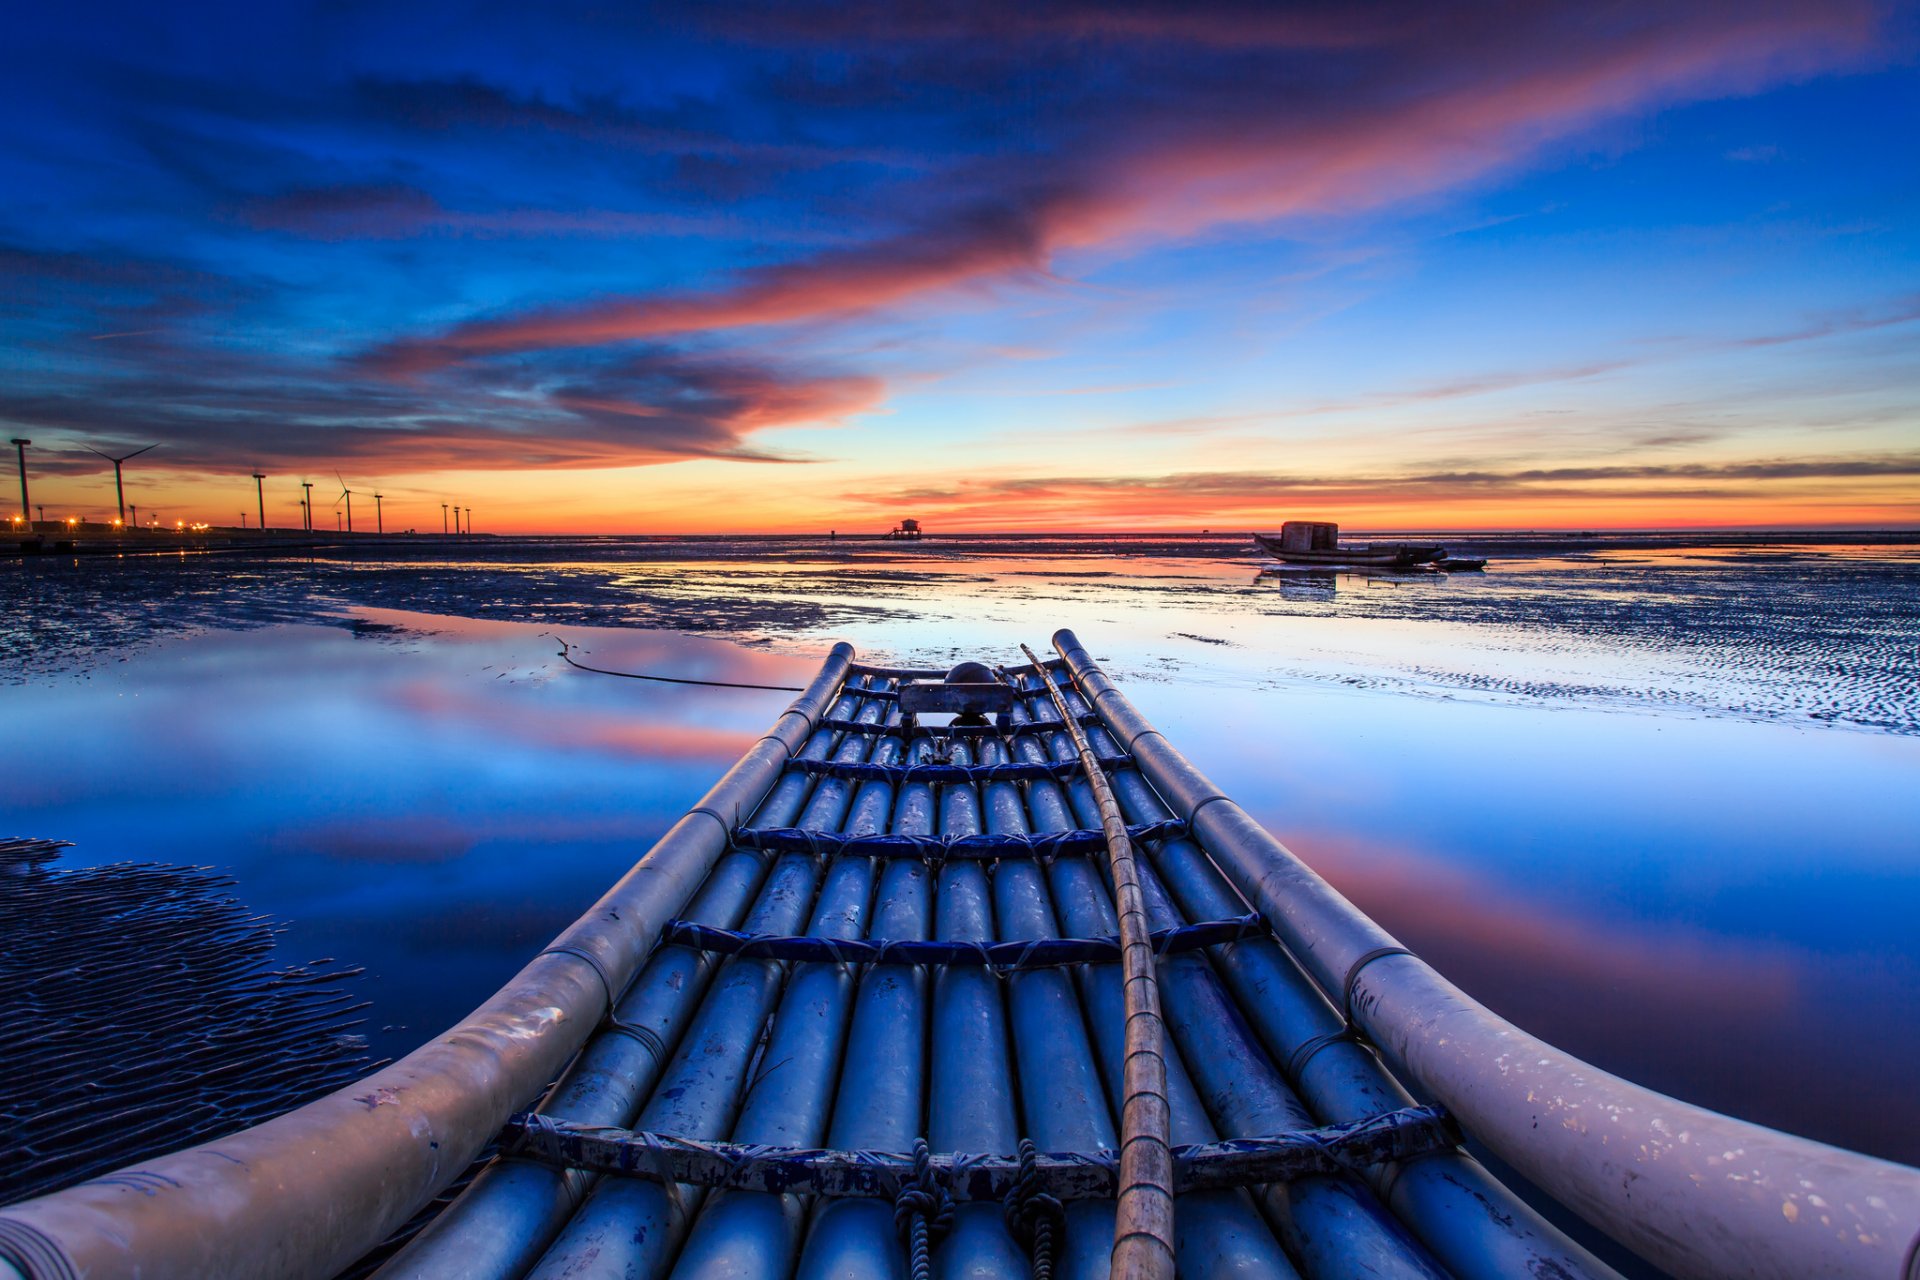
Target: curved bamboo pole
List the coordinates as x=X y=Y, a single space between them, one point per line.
x=1697 y=1193
x=501 y=1224
x=1143 y=1223
x=306 y=1193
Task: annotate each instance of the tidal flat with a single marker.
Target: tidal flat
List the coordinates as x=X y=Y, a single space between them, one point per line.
x=1656 y=800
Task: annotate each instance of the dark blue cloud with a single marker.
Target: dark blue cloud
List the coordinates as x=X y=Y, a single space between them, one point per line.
x=565 y=233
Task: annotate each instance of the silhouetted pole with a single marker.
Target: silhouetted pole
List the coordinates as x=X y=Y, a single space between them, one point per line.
x=260 y=492
x=456 y=515
x=379 y=521
x=136 y=515
x=469 y=522
x=443 y=519
x=26 y=507
x=306 y=504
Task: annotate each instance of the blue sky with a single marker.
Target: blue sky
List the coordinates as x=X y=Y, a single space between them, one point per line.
x=1003 y=265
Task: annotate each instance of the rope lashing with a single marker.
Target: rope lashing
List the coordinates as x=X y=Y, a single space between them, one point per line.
x=1007 y=957
x=646 y=1037
x=1015 y=771
x=1353 y=975
x=946 y=730
x=894 y=844
x=592 y=962
x=879 y=1175
x=925 y=673
x=922 y=1213
x=566 y=654
x=1032 y=1215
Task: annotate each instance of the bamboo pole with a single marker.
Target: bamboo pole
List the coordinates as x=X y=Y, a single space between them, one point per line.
x=630 y=1228
x=758 y=1233
x=1143 y=1222
x=306 y=1193
x=1477 y=1227
x=970 y=1102
x=1697 y=1193
x=504 y=1221
x=1221 y=1233
x=1063 y=1102
x=880 y=1101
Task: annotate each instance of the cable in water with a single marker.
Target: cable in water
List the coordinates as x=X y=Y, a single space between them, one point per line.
x=566 y=653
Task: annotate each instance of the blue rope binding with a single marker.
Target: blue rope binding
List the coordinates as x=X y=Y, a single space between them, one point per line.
x=1004 y=957
x=937 y=849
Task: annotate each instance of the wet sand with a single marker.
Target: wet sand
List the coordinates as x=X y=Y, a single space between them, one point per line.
x=1810 y=633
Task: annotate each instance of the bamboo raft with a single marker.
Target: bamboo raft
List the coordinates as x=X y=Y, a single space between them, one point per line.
x=1019 y=996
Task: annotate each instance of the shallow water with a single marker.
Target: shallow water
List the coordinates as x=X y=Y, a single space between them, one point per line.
x=1658 y=804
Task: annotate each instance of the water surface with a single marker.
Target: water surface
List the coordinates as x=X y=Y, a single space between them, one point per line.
x=1658 y=805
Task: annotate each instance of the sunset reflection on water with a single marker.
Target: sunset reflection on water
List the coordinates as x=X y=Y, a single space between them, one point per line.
x=1709 y=900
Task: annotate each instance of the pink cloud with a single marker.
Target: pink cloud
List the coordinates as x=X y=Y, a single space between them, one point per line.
x=1442 y=103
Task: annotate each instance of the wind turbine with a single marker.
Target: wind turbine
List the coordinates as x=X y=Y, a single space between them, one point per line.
x=443 y=519
x=306 y=505
x=379 y=521
x=26 y=507
x=119 y=490
x=348 y=495
x=260 y=495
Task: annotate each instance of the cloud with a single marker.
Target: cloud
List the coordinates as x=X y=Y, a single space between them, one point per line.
x=1904 y=309
x=231 y=412
x=1148 y=138
x=1220 y=494
x=989 y=241
x=825 y=163
x=394 y=211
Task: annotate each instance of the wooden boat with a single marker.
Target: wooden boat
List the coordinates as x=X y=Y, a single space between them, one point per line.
x=1318 y=542
x=1020 y=994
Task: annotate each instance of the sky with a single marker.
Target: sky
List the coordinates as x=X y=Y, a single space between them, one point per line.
x=1007 y=265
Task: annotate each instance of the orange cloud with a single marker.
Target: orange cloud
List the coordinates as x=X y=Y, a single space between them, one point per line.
x=1444 y=106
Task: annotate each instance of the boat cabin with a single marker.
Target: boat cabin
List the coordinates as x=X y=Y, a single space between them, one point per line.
x=1309 y=535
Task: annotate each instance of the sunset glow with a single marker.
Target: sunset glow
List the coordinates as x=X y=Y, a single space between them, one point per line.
x=1157 y=266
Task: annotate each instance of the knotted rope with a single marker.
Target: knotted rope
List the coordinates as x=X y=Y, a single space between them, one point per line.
x=922 y=1213
x=1031 y=1214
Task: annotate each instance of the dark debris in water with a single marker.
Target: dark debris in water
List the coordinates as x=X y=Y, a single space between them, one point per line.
x=144 y=1013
